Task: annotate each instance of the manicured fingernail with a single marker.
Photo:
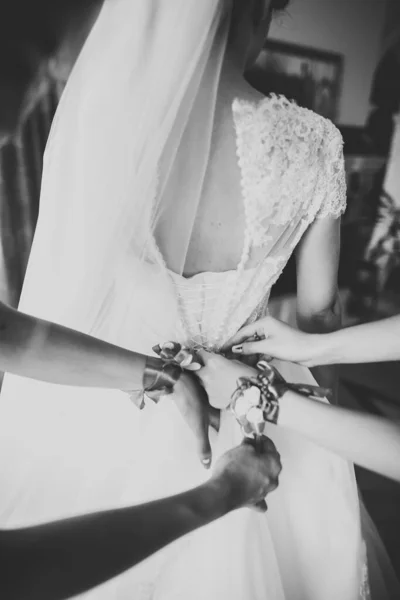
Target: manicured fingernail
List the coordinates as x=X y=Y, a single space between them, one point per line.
x=237 y=349
x=206 y=462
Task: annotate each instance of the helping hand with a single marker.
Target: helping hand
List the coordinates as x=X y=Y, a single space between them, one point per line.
x=278 y=340
x=251 y=472
x=192 y=402
x=219 y=377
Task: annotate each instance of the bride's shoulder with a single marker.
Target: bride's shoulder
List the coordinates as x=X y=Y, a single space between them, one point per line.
x=285 y=123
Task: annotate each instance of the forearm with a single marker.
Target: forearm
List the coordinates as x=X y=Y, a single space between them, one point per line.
x=65 y=558
x=324 y=322
x=372 y=342
x=369 y=441
x=30 y=347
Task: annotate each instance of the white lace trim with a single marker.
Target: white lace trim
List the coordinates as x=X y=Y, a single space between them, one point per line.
x=332 y=182
x=291 y=161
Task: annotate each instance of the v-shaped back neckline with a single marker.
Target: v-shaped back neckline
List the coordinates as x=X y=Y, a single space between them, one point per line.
x=236 y=103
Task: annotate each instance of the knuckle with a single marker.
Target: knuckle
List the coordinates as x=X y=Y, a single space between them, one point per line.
x=273 y=484
x=277 y=465
x=270 y=446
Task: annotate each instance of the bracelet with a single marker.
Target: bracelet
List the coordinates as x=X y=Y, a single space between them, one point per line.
x=255 y=402
x=160 y=375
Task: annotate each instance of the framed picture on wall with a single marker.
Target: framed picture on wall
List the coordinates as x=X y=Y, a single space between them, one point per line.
x=311 y=77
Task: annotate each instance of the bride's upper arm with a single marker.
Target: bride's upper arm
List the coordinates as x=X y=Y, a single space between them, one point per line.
x=317 y=255
x=317 y=262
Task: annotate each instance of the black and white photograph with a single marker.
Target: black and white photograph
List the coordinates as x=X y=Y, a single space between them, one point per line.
x=199 y=300
x=310 y=77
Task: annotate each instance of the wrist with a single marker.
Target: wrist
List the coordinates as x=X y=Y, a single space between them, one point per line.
x=213 y=499
x=291 y=410
x=159 y=378
x=180 y=385
x=324 y=349
x=227 y=490
x=132 y=371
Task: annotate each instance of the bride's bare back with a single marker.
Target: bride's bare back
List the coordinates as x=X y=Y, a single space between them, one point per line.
x=217 y=239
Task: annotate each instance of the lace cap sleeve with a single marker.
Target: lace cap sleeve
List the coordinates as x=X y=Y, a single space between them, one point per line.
x=332 y=181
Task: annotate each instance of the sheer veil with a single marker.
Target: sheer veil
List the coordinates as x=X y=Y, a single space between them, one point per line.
x=133 y=127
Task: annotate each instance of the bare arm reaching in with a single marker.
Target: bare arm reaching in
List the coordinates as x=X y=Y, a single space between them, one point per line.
x=370 y=342
x=31 y=347
x=61 y=559
x=369 y=441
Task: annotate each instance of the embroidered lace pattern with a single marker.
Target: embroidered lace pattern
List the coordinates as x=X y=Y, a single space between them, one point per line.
x=292 y=172
x=291 y=162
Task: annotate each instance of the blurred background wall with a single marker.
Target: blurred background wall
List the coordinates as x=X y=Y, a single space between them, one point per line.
x=353 y=28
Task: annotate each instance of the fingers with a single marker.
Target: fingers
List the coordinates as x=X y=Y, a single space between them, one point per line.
x=246 y=348
x=261 y=506
x=204 y=447
x=192 y=402
x=266 y=450
x=214 y=418
x=220 y=403
x=263 y=444
x=273 y=484
x=243 y=334
x=275 y=464
x=268 y=445
x=205 y=453
x=203 y=444
x=204 y=355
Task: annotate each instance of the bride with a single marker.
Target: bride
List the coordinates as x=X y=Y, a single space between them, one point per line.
x=173 y=195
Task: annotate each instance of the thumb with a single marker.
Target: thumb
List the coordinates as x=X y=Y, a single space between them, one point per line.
x=261 y=506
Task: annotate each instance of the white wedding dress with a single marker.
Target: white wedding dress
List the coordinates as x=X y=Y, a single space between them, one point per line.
x=81 y=450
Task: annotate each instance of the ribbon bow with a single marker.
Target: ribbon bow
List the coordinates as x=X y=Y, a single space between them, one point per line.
x=175 y=353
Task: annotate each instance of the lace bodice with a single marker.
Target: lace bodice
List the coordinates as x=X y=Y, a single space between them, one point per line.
x=292 y=172
x=291 y=162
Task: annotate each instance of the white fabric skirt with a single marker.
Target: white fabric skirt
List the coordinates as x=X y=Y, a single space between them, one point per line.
x=66 y=451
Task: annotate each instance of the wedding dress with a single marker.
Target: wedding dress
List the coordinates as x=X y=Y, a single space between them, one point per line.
x=130 y=147
x=81 y=450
